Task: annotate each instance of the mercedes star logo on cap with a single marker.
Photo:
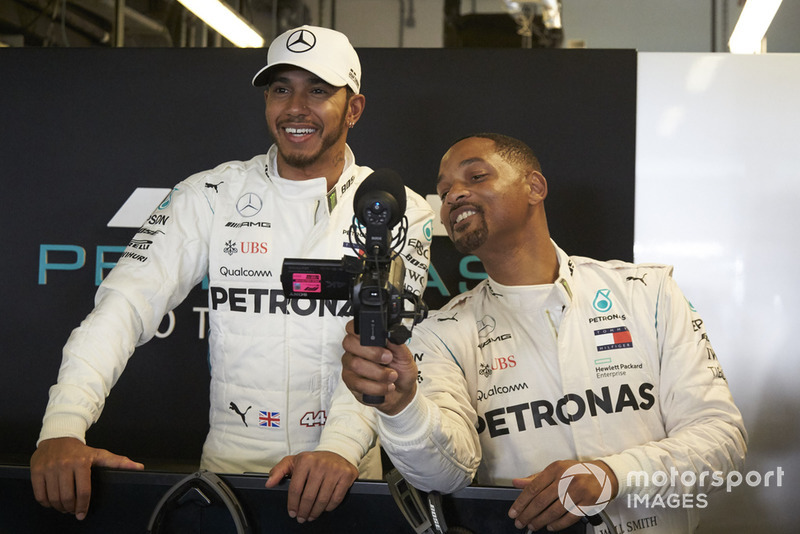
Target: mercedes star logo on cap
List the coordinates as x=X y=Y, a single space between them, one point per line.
x=301 y=41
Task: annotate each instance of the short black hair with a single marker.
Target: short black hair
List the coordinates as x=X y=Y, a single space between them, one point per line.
x=511 y=149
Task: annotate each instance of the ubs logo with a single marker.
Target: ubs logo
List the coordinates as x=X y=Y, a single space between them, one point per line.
x=301 y=41
x=249 y=204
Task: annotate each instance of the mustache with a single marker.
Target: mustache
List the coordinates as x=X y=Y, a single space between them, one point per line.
x=297 y=120
x=459 y=205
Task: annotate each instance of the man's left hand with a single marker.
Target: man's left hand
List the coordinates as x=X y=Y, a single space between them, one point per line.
x=538 y=506
x=319 y=483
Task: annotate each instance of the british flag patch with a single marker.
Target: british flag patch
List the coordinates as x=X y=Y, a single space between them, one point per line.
x=269 y=419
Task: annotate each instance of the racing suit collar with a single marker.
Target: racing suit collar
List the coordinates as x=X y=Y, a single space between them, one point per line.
x=565 y=272
x=331 y=198
x=515 y=296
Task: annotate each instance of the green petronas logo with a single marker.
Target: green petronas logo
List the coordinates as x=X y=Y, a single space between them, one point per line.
x=602 y=300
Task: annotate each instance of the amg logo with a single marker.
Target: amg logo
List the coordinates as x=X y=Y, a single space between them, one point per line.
x=498 y=338
x=568 y=409
x=258 y=300
x=248 y=224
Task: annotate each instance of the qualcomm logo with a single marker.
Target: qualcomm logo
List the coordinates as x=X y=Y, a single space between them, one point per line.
x=142 y=202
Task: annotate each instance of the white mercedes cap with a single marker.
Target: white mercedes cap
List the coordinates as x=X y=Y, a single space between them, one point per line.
x=321 y=51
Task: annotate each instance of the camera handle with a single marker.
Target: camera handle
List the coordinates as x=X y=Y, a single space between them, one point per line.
x=399 y=333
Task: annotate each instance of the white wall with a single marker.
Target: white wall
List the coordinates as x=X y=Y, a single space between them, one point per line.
x=718 y=196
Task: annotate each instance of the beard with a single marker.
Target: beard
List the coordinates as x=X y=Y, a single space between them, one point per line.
x=468 y=242
x=301 y=160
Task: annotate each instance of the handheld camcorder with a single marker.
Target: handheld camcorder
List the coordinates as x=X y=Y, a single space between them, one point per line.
x=373 y=282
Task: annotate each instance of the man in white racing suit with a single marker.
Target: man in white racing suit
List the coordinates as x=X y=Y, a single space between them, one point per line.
x=600 y=373
x=275 y=362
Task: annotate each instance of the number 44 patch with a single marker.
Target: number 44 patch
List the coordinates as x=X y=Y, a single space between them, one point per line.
x=314 y=418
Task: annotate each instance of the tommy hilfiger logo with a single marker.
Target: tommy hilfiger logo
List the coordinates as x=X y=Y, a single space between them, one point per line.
x=613 y=338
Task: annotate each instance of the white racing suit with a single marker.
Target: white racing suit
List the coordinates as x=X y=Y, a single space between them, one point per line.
x=275 y=362
x=610 y=362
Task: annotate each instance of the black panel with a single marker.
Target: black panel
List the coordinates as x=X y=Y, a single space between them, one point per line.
x=82 y=128
x=124 y=501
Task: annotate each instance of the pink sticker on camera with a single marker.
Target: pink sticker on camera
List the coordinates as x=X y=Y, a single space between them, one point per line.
x=307 y=282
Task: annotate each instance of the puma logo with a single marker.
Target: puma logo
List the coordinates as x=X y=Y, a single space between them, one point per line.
x=241 y=414
x=214 y=187
x=637 y=278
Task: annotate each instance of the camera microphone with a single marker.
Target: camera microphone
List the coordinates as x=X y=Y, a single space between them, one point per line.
x=383 y=185
x=379 y=204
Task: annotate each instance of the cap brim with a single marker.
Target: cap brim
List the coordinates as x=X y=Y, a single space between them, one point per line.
x=262 y=77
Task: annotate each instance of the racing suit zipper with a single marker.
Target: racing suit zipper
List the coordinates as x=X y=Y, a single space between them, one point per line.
x=552 y=324
x=550 y=320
